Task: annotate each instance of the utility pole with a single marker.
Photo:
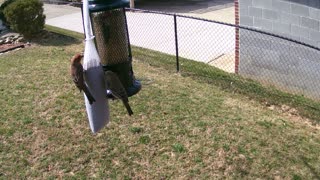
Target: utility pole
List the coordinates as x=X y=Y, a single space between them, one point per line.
x=131 y=3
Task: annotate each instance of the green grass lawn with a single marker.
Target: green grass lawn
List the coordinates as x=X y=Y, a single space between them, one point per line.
x=183 y=127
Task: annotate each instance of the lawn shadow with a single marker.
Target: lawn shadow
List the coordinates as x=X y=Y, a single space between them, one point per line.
x=184 y=6
x=48 y=38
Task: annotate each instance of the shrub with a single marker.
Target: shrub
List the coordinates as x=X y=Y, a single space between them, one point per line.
x=2 y=7
x=25 y=17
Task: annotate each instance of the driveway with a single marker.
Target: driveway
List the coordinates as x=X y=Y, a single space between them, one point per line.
x=198 y=40
x=64 y=16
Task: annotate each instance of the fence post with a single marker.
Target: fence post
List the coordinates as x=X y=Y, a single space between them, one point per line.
x=176 y=40
x=237 y=38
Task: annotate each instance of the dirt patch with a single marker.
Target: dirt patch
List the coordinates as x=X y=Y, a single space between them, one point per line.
x=289 y=113
x=293 y=115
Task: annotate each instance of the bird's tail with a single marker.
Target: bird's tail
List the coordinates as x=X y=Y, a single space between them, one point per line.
x=89 y=95
x=126 y=104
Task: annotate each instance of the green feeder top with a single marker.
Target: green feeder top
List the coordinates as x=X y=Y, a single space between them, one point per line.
x=103 y=5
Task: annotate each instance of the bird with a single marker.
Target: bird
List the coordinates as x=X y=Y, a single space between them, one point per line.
x=77 y=73
x=116 y=88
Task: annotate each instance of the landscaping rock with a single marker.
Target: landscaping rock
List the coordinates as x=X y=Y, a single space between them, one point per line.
x=8 y=40
x=14 y=38
x=11 y=38
x=20 y=39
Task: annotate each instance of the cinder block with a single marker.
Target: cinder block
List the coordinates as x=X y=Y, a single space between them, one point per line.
x=309 y=41
x=280 y=45
x=266 y=59
x=300 y=31
x=245 y=3
x=294 y=37
x=259 y=43
x=244 y=11
x=315 y=13
x=246 y=68
x=300 y=10
x=289 y=18
x=282 y=6
x=251 y=51
x=255 y=12
x=297 y=50
x=305 y=53
x=289 y=60
x=266 y=4
x=312 y=90
x=286 y=35
x=310 y=23
x=274 y=77
x=270 y=14
x=312 y=55
x=262 y=36
x=264 y=24
x=279 y=27
x=314 y=3
x=315 y=35
x=245 y=60
x=295 y=83
x=310 y=69
x=272 y=56
x=246 y=20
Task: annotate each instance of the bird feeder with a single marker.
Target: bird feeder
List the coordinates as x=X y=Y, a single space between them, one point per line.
x=109 y=24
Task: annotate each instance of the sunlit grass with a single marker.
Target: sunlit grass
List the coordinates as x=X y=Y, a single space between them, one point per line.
x=182 y=128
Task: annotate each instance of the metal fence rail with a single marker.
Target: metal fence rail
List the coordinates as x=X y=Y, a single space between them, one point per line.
x=273 y=59
x=288 y=64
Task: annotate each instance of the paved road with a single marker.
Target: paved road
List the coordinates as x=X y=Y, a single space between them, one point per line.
x=198 y=40
x=185 y=6
x=64 y=16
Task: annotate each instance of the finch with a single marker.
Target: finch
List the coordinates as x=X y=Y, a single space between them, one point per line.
x=77 y=72
x=117 y=90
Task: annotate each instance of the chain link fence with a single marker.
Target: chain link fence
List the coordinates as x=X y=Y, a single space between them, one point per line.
x=191 y=43
x=289 y=65
x=185 y=37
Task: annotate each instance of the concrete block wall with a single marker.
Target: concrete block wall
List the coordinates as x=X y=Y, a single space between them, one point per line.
x=297 y=19
x=284 y=64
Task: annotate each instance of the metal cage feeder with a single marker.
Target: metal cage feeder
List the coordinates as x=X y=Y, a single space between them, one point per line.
x=109 y=24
